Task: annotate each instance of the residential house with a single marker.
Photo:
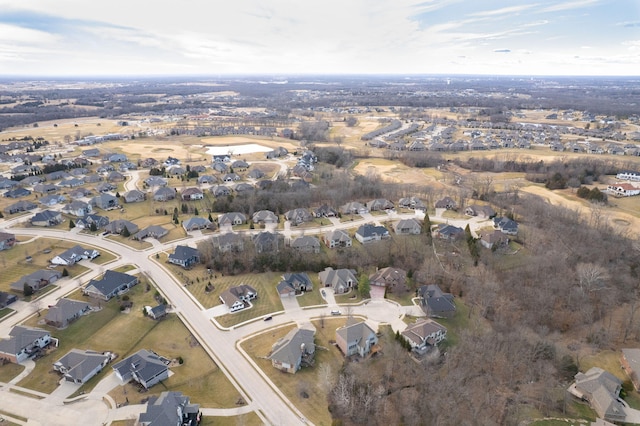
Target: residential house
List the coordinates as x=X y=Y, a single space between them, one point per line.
x=220 y=191
x=629 y=175
x=105 y=201
x=243 y=187
x=228 y=242
x=255 y=174
x=36 y=280
x=93 y=178
x=224 y=158
x=45 y=188
x=153 y=231
x=206 y=179
x=325 y=211
x=231 y=219
x=118 y=226
x=238 y=297
x=164 y=193
x=240 y=165
x=265 y=242
x=145 y=367
x=446 y=203
x=134 y=196
x=79 y=366
x=105 y=187
x=483 y=211
x=17 y=193
x=115 y=158
x=622 y=189
x=448 y=232
x=602 y=390
x=23 y=343
x=295 y=350
x=341 y=280
x=52 y=199
x=393 y=279
x=506 y=225
x=369 y=232
x=495 y=238
x=184 y=256
x=74 y=255
x=630 y=362
x=47 y=218
x=230 y=177
x=354 y=207
x=195 y=223
x=412 y=203
x=298 y=216
x=92 y=220
x=379 y=204
x=79 y=193
x=20 y=206
x=265 y=217
x=294 y=283
x=7 y=240
x=110 y=285
x=277 y=153
x=356 y=338
x=424 y=334
x=337 y=238
x=408 y=227
x=191 y=194
x=220 y=167
x=115 y=176
x=306 y=244
x=93 y=152
x=436 y=303
x=6 y=299
x=152 y=181
x=170 y=408
x=65 y=311
x=78 y=208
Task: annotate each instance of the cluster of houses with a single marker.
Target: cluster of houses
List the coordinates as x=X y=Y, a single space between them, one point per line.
x=629 y=188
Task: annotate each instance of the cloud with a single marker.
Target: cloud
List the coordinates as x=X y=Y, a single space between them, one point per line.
x=502 y=50
x=635 y=24
x=504 y=11
x=568 y=5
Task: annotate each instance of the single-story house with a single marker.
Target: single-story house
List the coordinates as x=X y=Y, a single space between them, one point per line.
x=369 y=232
x=448 y=232
x=195 y=223
x=483 y=211
x=306 y=244
x=228 y=242
x=354 y=207
x=337 y=238
x=66 y=311
x=145 y=367
x=111 y=284
x=295 y=350
x=506 y=225
x=495 y=238
x=23 y=343
x=105 y=201
x=20 y=206
x=36 y=280
x=153 y=231
x=436 y=303
x=78 y=208
x=73 y=255
x=264 y=216
x=298 y=216
x=79 y=366
x=231 y=218
x=164 y=193
x=117 y=227
x=356 y=338
x=134 y=196
x=341 y=280
x=266 y=242
x=394 y=279
x=446 y=203
x=47 y=218
x=92 y=219
x=412 y=203
x=408 y=227
x=184 y=256
x=294 y=283
x=325 y=211
x=156 y=312
x=191 y=194
x=379 y=204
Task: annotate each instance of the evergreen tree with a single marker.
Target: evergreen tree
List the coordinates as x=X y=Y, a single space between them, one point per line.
x=71 y=224
x=426 y=227
x=125 y=232
x=27 y=290
x=195 y=212
x=93 y=227
x=65 y=273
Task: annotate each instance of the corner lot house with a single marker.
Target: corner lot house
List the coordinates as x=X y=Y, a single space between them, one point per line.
x=74 y=255
x=293 y=351
x=111 y=284
x=23 y=343
x=356 y=338
x=79 y=366
x=170 y=408
x=66 y=311
x=184 y=256
x=47 y=218
x=145 y=367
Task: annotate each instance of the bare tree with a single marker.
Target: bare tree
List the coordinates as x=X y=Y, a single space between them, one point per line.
x=591 y=277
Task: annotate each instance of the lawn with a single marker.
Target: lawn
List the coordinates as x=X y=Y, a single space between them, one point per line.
x=249 y=419
x=308 y=380
x=15 y=265
x=5 y=312
x=9 y=371
x=97 y=331
x=351 y=297
x=312 y=298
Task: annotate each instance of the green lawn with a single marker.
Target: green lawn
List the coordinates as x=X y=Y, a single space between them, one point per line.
x=9 y=371
x=311 y=298
x=4 y=312
x=249 y=419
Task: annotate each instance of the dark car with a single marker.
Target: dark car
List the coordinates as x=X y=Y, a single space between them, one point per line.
x=268 y=318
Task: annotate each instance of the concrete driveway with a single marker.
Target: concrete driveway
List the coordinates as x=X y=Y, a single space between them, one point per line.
x=290 y=303
x=328 y=296
x=377 y=292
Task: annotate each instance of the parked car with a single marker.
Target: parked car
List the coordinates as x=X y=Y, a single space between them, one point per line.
x=335 y=312
x=269 y=318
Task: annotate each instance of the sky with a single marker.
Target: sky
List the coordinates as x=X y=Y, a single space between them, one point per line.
x=292 y=37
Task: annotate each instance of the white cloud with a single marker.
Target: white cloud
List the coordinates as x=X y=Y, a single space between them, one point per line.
x=568 y=5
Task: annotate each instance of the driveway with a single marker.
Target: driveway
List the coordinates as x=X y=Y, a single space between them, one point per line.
x=376 y=292
x=290 y=303
x=328 y=296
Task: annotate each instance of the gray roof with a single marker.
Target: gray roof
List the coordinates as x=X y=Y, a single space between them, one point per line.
x=357 y=332
x=369 y=230
x=305 y=241
x=78 y=364
x=337 y=277
x=118 y=225
x=144 y=364
x=196 y=222
x=436 y=300
x=111 y=281
x=64 y=310
x=289 y=348
x=169 y=409
x=21 y=337
x=184 y=253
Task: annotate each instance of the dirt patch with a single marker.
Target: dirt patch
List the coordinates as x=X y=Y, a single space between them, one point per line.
x=394 y=172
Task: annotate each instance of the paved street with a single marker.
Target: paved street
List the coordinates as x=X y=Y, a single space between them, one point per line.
x=262 y=396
